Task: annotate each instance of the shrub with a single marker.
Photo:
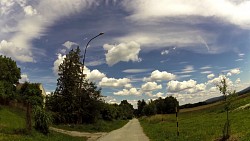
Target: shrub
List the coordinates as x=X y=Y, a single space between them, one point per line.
x=42 y=120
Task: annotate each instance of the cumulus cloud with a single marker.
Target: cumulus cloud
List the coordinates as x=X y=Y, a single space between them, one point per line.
x=115 y=83
x=210 y=76
x=160 y=76
x=95 y=75
x=131 y=91
x=69 y=44
x=17 y=53
x=57 y=62
x=176 y=86
x=122 y=52
x=24 y=78
x=150 y=86
x=29 y=10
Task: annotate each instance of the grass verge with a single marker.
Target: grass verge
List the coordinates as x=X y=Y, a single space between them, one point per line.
x=12 y=124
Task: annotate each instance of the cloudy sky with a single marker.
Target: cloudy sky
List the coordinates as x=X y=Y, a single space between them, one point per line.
x=150 y=48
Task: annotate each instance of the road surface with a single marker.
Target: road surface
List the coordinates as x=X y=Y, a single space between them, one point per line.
x=132 y=131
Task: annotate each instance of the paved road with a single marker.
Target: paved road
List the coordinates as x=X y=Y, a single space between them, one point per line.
x=132 y=131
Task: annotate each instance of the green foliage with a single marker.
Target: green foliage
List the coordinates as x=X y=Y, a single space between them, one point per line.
x=42 y=120
x=228 y=95
x=126 y=110
x=12 y=124
x=75 y=100
x=150 y=109
x=9 y=75
x=109 y=112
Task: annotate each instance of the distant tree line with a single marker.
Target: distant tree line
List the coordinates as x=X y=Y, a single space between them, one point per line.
x=158 y=106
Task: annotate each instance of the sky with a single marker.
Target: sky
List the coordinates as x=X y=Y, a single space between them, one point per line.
x=149 y=49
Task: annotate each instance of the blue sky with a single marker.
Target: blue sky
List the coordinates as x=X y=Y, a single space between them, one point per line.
x=150 y=48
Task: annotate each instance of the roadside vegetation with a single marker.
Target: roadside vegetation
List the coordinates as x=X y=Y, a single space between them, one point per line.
x=12 y=128
x=201 y=124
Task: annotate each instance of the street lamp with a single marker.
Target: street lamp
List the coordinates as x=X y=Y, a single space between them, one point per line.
x=83 y=60
x=87 y=46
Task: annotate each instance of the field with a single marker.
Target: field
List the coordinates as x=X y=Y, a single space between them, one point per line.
x=12 y=124
x=200 y=123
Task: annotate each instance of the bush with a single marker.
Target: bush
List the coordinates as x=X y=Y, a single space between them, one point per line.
x=42 y=120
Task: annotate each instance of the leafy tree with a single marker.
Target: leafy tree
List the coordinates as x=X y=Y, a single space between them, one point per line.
x=126 y=110
x=32 y=95
x=150 y=109
x=140 y=106
x=9 y=75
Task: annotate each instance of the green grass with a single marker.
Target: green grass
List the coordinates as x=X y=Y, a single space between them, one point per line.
x=12 y=124
x=199 y=125
x=100 y=126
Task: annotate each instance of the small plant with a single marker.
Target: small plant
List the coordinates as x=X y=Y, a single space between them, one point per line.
x=42 y=120
x=228 y=95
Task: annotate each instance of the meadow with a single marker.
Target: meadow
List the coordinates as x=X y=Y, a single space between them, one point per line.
x=201 y=123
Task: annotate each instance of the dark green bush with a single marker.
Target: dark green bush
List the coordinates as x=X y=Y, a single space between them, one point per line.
x=42 y=120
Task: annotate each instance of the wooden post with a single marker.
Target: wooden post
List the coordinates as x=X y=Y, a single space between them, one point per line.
x=177 y=125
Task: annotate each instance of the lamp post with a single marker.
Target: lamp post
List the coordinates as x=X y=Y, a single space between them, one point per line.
x=83 y=60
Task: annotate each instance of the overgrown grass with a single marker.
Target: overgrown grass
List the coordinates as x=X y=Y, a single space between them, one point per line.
x=100 y=126
x=200 y=125
x=12 y=128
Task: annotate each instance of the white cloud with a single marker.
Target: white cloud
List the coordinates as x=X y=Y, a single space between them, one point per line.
x=160 y=76
x=233 y=12
x=122 y=52
x=69 y=44
x=95 y=75
x=150 y=86
x=131 y=91
x=237 y=81
x=164 y=52
x=176 y=86
x=29 y=10
x=206 y=72
x=114 y=83
x=210 y=76
x=29 y=20
x=95 y=62
x=205 y=67
x=187 y=69
x=24 y=78
x=18 y=53
x=57 y=63
x=136 y=70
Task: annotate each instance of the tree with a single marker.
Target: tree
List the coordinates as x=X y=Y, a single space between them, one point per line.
x=71 y=102
x=227 y=94
x=150 y=109
x=9 y=75
x=140 y=106
x=32 y=95
x=127 y=110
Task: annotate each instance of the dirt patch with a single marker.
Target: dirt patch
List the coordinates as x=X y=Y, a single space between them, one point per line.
x=90 y=136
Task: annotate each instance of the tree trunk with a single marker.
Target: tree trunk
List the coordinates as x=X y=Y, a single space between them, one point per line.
x=28 y=117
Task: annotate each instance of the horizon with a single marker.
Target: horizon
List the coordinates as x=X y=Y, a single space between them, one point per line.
x=148 y=49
